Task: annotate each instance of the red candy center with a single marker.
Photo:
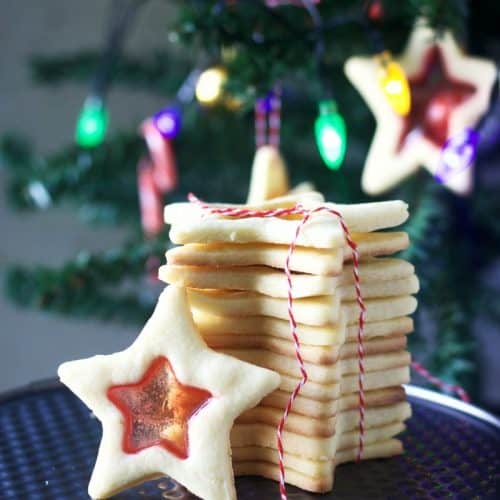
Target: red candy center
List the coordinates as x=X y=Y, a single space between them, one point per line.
x=157 y=410
x=434 y=96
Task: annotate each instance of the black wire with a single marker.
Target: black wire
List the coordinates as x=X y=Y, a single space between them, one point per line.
x=316 y=35
x=305 y=35
x=120 y=19
x=313 y=12
x=319 y=48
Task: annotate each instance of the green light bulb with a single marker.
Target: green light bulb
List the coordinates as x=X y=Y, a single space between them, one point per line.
x=92 y=123
x=330 y=133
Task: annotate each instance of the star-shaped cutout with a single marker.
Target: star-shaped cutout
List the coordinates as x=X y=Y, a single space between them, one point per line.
x=449 y=92
x=167 y=404
x=434 y=97
x=157 y=409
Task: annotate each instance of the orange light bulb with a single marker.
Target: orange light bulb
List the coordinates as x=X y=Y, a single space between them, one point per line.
x=394 y=85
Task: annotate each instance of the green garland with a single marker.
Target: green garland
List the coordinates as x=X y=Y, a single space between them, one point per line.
x=107 y=286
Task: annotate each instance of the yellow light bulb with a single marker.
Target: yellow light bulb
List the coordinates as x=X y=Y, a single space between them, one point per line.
x=210 y=85
x=394 y=85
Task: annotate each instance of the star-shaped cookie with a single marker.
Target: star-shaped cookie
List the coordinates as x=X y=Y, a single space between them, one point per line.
x=269 y=177
x=167 y=404
x=449 y=93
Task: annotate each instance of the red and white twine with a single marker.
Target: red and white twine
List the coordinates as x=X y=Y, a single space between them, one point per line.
x=293 y=326
x=306 y=214
x=268 y=119
x=451 y=388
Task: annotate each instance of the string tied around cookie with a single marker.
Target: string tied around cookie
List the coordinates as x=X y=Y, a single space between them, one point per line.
x=306 y=214
x=444 y=386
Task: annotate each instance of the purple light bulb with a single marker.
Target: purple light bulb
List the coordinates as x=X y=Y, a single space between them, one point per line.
x=168 y=122
x=458 y=153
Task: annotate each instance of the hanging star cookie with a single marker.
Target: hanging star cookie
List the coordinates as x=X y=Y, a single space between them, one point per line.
x=269 y=177
x=167 y=404
x=449 y=92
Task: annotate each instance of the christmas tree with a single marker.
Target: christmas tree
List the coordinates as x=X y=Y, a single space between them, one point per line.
x=257 y=51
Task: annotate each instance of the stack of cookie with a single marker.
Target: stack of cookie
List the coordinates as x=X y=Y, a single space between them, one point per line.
x=233 y=271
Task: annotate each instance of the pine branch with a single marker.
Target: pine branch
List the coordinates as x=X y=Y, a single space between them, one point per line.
x=456 y=353
x=101 y=181
x=444 y=14
x=272 y=45
x=484 y=205
x=449 y=304
x=425 y=227
x=105 y=286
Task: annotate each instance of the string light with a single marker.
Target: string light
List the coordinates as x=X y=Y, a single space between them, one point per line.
x=92 y=123
x=375 y=11
x=329 y=127
x=93 y=119
x=394 y=84
x=168 y=121
x=458 y=153
x=330 y=132
x=210 y=85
